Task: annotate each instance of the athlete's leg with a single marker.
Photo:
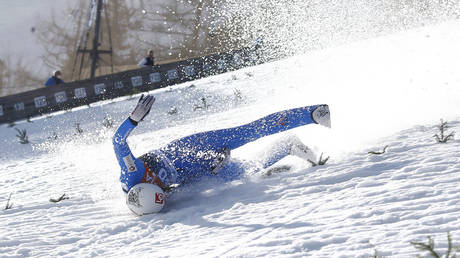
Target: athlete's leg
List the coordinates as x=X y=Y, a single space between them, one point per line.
x=287 y=145
x=237 y=136
x=274 y=153
x=196 y=154
x=232 y=170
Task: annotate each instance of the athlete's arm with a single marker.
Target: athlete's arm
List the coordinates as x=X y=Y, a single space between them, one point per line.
x=132 y=169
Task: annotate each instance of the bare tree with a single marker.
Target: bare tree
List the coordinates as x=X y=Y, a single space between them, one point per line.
x=2 y=75
x=16 y=77
x=176 y=29
x=61 y=39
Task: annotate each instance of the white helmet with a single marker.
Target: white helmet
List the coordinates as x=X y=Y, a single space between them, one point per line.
x=145 y=199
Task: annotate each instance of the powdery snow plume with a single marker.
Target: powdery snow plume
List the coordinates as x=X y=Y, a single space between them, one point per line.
x=388 y=91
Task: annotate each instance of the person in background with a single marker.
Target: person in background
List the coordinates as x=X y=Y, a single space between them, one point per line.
x=55 y=79
x=149 y=60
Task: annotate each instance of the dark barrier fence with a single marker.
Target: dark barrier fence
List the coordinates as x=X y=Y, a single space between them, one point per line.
x=65 y=96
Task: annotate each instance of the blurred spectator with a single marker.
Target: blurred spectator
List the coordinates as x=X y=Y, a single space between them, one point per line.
x=149 y=60
x=55 y=79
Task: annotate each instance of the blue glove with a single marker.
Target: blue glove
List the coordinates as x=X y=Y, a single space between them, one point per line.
x=142 y=109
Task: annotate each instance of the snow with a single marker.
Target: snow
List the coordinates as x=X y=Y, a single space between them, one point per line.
x=390 y=90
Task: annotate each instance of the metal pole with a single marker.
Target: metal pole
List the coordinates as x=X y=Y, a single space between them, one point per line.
x=94 y=52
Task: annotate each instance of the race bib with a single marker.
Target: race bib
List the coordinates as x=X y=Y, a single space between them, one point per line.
x=129 y=163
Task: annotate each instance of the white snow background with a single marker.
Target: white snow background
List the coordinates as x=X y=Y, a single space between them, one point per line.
x=390 y=90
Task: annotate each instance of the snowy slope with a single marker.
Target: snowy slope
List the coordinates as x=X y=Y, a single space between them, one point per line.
x=385 y=91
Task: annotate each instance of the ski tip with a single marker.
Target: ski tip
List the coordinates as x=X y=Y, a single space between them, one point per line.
x=321 y=115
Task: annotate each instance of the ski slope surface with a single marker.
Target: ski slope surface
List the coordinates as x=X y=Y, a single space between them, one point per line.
x=388 y=91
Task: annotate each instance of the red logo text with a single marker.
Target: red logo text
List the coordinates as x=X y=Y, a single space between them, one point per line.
x=159 y=198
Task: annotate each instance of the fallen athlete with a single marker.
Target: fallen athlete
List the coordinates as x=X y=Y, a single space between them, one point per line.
x=206 y=154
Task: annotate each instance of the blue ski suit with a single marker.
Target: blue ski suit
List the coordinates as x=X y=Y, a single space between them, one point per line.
x=204 y=154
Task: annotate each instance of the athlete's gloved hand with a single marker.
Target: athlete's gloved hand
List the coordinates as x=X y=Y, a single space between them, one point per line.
x=142 y=109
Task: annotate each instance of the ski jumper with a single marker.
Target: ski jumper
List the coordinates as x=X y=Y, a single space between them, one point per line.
x=205 y=154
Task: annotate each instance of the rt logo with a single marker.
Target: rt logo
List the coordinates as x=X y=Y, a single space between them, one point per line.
x=159 y=198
